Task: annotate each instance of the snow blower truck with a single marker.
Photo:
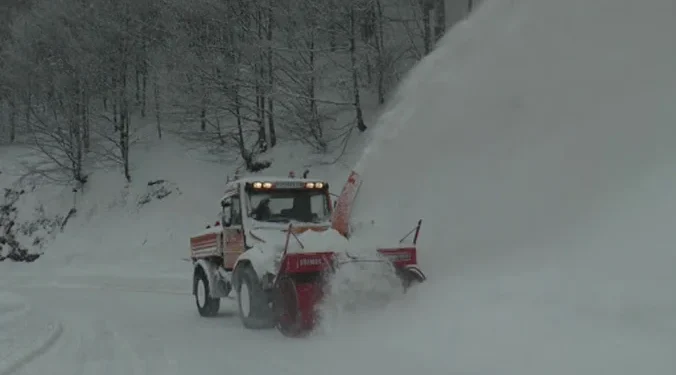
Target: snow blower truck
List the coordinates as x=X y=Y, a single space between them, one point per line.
x=256 y=250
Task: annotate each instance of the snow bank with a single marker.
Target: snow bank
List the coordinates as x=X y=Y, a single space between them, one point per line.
x=32 y=209
x=26 y=333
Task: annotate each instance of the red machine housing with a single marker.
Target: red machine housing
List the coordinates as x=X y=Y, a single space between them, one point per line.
x=301 y=279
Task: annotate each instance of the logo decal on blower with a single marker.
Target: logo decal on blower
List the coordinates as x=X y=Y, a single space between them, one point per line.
x=400 y=257
x=310 y=262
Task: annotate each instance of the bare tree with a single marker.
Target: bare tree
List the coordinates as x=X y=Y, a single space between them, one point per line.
x=77 y=77
x=440 y=21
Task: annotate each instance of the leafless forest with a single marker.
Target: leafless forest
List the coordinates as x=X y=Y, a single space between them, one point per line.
x=78 y=76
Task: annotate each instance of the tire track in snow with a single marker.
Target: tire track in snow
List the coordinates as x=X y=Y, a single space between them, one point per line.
x=26 y=333
x=40 y=346
x=86 y=346
x=11 y=307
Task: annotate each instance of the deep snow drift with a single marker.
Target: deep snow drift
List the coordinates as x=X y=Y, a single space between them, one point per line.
x=537 y=143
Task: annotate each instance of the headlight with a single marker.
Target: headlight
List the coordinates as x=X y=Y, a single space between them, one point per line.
x=257 y=185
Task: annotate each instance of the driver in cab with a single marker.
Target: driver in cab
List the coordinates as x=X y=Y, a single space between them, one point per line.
x=262 y=211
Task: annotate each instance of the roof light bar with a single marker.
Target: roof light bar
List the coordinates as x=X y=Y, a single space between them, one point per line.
x=282 y=185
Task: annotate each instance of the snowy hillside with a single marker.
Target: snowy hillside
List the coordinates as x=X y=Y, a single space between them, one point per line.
x=31 y=212
x=125 y=227
x=536 y=143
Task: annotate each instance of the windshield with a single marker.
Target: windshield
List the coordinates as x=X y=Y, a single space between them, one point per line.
x=285 y=205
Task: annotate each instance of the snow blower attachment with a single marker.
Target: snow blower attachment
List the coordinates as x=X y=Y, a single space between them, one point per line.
x=255 y=253
x=300 y=284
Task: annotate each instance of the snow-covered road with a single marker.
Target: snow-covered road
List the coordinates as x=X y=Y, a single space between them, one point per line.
x=113 y=331
x=110 y=327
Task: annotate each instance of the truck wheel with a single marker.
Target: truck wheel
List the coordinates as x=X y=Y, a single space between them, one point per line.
x=252 y=300
x=288 y=316
x=206 y=305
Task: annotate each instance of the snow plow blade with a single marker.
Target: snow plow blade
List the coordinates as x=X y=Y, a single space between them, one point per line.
x=300 y=284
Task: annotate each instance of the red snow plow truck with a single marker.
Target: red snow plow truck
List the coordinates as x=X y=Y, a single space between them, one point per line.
x=260 y=253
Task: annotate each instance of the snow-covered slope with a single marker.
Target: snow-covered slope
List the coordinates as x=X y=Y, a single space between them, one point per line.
x=141 y=229
x=537 y=142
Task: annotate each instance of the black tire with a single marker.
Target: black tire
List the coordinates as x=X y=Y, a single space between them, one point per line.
x=253 y=306
x=287 y=316
x=206 y=305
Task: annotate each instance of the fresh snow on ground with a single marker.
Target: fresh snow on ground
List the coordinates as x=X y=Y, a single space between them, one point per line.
x=536 y=142
x=329 y=240
x=26 y=332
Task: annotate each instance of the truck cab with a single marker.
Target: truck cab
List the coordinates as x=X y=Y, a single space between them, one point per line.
x=252 y=207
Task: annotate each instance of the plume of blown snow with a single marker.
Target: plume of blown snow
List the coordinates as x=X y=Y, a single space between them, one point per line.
x=537 y=143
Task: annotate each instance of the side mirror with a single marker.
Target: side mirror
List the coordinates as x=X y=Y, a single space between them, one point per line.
x=335 y=200
x=225 y=203
x=226 y=220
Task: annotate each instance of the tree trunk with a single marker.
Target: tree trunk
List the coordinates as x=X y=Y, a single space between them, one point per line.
x=355 y=78
x=203 y=107
x=84 y=119
x=144 y=78
x=440 y=24
x=124 y=124
x=75 y=124
x=260 y=90
x=124 y=138
x=29 y=104
x=116 y=99
x=246 y=156
x=271 y=118
x=316 y=130
x=124 y=103
x=12 y=121
x=427 y=35
x=127 y=173
x=138 y=82
x=380 y=50
x=156 y=92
